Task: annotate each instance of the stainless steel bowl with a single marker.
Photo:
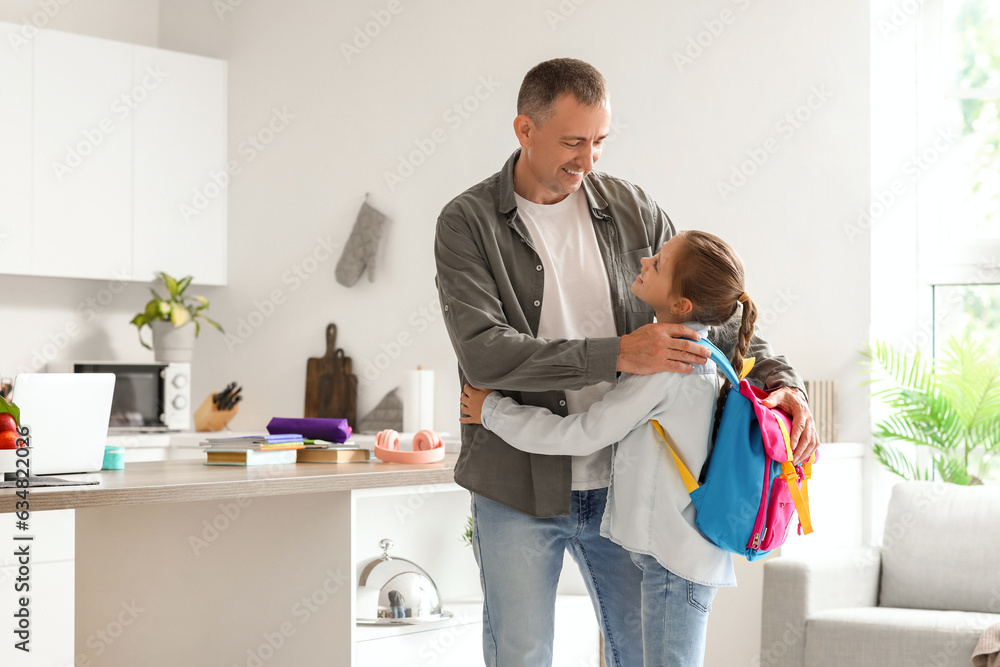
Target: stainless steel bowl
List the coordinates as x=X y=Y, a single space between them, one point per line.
x=397 y=591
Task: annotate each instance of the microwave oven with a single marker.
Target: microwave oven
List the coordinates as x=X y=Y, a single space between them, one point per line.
x=152 y=396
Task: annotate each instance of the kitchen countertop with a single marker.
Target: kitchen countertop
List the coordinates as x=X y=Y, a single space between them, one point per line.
x=180 y=481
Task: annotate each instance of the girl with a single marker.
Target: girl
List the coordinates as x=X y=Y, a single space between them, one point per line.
x=696 y=279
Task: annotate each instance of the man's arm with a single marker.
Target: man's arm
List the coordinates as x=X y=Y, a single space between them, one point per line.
x=490 y=349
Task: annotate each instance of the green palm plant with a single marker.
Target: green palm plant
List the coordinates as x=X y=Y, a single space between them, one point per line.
x=951 y=408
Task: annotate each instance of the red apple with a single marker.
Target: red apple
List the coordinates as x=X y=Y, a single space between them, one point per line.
x=7 y=422
x=8 y=439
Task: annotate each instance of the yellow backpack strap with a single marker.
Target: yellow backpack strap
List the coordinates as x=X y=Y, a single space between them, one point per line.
x=807 y=469
x=799 y=496
x=747 y=366
x=689 y=481
x=786 y=436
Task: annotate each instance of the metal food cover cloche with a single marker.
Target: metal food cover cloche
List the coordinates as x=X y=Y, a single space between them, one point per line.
x=397 y=591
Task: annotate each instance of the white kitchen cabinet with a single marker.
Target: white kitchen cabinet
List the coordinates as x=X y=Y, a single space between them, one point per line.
x=51 y=579
x=51 y=616
x=112 y=159
x=82 y=147
x=15 y=150
x=179 y=169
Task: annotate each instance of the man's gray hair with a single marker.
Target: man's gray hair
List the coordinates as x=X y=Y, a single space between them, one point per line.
x=545 y=82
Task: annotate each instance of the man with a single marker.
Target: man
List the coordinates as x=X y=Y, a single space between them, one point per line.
x=530 y=312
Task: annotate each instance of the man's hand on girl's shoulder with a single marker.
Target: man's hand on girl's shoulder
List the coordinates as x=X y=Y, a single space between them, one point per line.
x=658 y=347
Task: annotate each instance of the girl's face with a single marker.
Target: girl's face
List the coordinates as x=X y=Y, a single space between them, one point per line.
x=655 y=283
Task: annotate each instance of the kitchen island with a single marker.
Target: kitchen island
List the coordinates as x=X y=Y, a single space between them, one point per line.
x=179 y=563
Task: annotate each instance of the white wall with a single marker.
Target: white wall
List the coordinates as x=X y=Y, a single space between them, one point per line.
x=896 y=288
x=679 y=131
x=679 y=134
x=134 y=21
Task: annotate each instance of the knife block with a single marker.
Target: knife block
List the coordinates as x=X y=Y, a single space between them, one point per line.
x=209 y=418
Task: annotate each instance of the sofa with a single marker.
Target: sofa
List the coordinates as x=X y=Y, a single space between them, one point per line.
x=921 y=599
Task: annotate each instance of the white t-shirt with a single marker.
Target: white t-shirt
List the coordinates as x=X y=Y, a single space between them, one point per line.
x=576 y=302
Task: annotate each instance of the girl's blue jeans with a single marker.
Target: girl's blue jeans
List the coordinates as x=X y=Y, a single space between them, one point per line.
x=647 y=615
x=674 y=616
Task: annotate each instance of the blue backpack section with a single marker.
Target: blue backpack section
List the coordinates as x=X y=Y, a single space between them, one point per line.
x=729 y=500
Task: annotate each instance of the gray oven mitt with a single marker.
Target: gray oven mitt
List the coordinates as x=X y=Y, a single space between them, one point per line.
x=359 y=253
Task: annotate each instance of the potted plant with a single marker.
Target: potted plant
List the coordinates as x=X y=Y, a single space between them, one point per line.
x=169 y=319
x=949 y=409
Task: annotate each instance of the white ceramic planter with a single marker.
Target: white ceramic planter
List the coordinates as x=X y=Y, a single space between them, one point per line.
x=172 y=343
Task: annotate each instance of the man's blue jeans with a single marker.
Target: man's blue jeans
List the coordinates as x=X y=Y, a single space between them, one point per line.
x=520 y=557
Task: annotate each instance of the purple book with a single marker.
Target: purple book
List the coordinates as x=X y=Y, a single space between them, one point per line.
x=313 y=428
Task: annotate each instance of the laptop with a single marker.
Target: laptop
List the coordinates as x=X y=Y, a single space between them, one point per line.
x=67 y=415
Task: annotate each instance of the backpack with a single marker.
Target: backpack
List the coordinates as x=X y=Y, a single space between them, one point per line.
x=751 y=486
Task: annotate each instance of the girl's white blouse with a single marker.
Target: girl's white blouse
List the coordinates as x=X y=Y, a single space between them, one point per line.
x=649 y=510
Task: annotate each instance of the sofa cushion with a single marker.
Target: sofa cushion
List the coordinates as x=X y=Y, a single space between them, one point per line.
x=890 y=636
x=941 y=547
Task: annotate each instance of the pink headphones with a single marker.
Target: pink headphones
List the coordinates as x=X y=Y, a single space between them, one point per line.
x=427 y=447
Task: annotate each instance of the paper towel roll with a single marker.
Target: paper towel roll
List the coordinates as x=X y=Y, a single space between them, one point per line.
x=418 y=401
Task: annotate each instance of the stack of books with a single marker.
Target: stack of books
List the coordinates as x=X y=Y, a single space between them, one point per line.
x=323 y=451
x=253 y=450
x=284 y=448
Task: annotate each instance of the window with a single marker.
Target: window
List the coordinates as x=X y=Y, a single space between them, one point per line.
x=958 y=157
x=958 y=193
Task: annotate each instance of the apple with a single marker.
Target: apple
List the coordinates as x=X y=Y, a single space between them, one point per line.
x=7 y=422
x=8 y=439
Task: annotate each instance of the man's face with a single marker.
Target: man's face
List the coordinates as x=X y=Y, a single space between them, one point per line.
x=557 y=156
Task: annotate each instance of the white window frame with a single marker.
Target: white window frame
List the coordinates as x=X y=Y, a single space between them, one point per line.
x=941 y=261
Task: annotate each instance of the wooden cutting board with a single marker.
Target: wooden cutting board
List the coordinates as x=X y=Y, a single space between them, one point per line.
x=331 y=388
